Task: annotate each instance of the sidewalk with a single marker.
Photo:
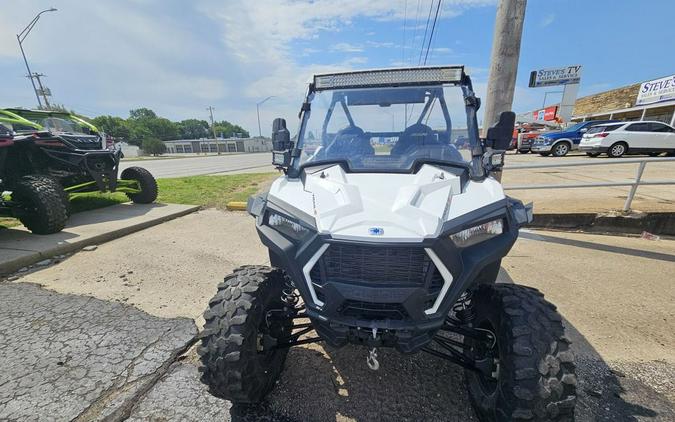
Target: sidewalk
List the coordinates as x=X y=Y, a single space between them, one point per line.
x=20 y=248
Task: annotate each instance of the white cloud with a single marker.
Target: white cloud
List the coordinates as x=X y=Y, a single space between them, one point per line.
x=547 y=20
x=344 y=47
x=110 y=56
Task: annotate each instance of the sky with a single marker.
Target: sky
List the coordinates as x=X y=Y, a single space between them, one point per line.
x=179 y=57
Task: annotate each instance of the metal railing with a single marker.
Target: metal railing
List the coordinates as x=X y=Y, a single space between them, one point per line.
x=642 y=163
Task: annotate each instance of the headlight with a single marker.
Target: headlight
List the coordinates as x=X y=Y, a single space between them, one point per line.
x=286 y=226
x=479 y=233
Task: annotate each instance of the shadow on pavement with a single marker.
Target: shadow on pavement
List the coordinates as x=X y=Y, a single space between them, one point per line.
x=321 y=383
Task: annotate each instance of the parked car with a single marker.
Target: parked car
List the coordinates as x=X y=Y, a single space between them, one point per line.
x=560 y=143
x=617 y=139
x=525 y=140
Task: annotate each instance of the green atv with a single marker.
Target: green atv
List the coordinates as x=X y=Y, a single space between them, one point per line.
x=46 y=156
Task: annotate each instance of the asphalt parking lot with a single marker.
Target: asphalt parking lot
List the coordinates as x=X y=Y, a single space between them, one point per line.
x=114 y=339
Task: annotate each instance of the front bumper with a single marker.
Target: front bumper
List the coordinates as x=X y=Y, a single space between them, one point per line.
x=100 y=167
x=536 y=147
x=406 y=317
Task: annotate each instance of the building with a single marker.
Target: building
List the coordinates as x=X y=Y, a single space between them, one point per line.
x=648 y=100
x=223 y=145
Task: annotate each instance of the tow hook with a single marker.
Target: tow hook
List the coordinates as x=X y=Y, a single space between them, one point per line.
x=371 y=360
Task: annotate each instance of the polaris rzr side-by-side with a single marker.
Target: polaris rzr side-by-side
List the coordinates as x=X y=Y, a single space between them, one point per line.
x=387 y=229
x=46 y=156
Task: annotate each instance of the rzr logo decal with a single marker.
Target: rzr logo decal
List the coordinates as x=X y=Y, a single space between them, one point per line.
x=376 y=231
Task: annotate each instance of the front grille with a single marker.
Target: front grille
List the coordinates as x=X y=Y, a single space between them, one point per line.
x=384 y=266
x=372 y=265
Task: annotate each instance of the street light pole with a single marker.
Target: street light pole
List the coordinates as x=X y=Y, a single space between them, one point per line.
x=257 y=109
x=20 y=37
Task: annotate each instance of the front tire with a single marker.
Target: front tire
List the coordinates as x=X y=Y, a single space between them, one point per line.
x=235 y=365
x=146 y=182
x=561 y=149
x=43 y=208
x=533 y=367
x=523 y=151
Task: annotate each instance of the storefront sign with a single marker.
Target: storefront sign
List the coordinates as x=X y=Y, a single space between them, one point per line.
x=547 y=114
x=656 y=91
x=560 y=76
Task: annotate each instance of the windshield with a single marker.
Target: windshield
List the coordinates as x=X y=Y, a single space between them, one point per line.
x=576 y=127
x=386 y=129
x=57 y=124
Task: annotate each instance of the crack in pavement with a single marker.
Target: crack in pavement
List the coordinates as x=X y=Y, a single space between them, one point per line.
x=69 y=357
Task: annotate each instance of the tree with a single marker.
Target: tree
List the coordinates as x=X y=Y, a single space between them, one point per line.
x=113 y=126
x=229 y=130
x=193 y=129
x=142 y=113
x=153 y=146
x=162 y=128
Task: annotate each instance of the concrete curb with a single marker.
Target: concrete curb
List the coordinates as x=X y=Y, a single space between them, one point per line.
x=236 y=206
x=660 y=223
x=31 y=257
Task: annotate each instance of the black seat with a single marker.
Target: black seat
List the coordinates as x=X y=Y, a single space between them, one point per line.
x=416 y=135
x=349 y=142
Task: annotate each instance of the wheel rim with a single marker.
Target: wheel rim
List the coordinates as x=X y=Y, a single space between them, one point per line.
x=618 y=149
x=561 y=149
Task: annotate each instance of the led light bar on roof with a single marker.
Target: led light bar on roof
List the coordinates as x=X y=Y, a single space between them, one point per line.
x=391 y=77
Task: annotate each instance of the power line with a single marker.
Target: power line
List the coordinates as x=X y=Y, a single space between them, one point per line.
x=417 y=18
x=426 y=29
x=433 y=28
x=405 y=22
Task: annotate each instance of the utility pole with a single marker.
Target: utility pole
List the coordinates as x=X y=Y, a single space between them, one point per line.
x=257 y=109
x=504 y=60
x=42 y=89
x=213 y=128
x=20 y=37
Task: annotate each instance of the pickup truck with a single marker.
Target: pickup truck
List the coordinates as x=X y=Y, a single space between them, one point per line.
x=560 y=143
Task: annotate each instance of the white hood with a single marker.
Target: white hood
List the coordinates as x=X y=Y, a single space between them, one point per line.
x=383 y=206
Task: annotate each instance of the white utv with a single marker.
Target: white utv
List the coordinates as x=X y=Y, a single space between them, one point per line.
x=387 y=229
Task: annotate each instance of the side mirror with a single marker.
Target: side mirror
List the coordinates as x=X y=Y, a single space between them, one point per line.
x=583 y=130
x=499 y=136
x=281 y=143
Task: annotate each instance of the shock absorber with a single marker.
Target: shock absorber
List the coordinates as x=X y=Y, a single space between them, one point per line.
x=288 y=294
x=463 y=308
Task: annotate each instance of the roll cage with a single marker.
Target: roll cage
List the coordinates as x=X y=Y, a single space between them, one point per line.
x=438 y=76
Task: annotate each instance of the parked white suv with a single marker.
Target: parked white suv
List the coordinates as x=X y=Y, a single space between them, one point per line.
x=617 y=139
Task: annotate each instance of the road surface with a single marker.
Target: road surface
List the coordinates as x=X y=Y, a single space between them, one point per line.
x=213 y=164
